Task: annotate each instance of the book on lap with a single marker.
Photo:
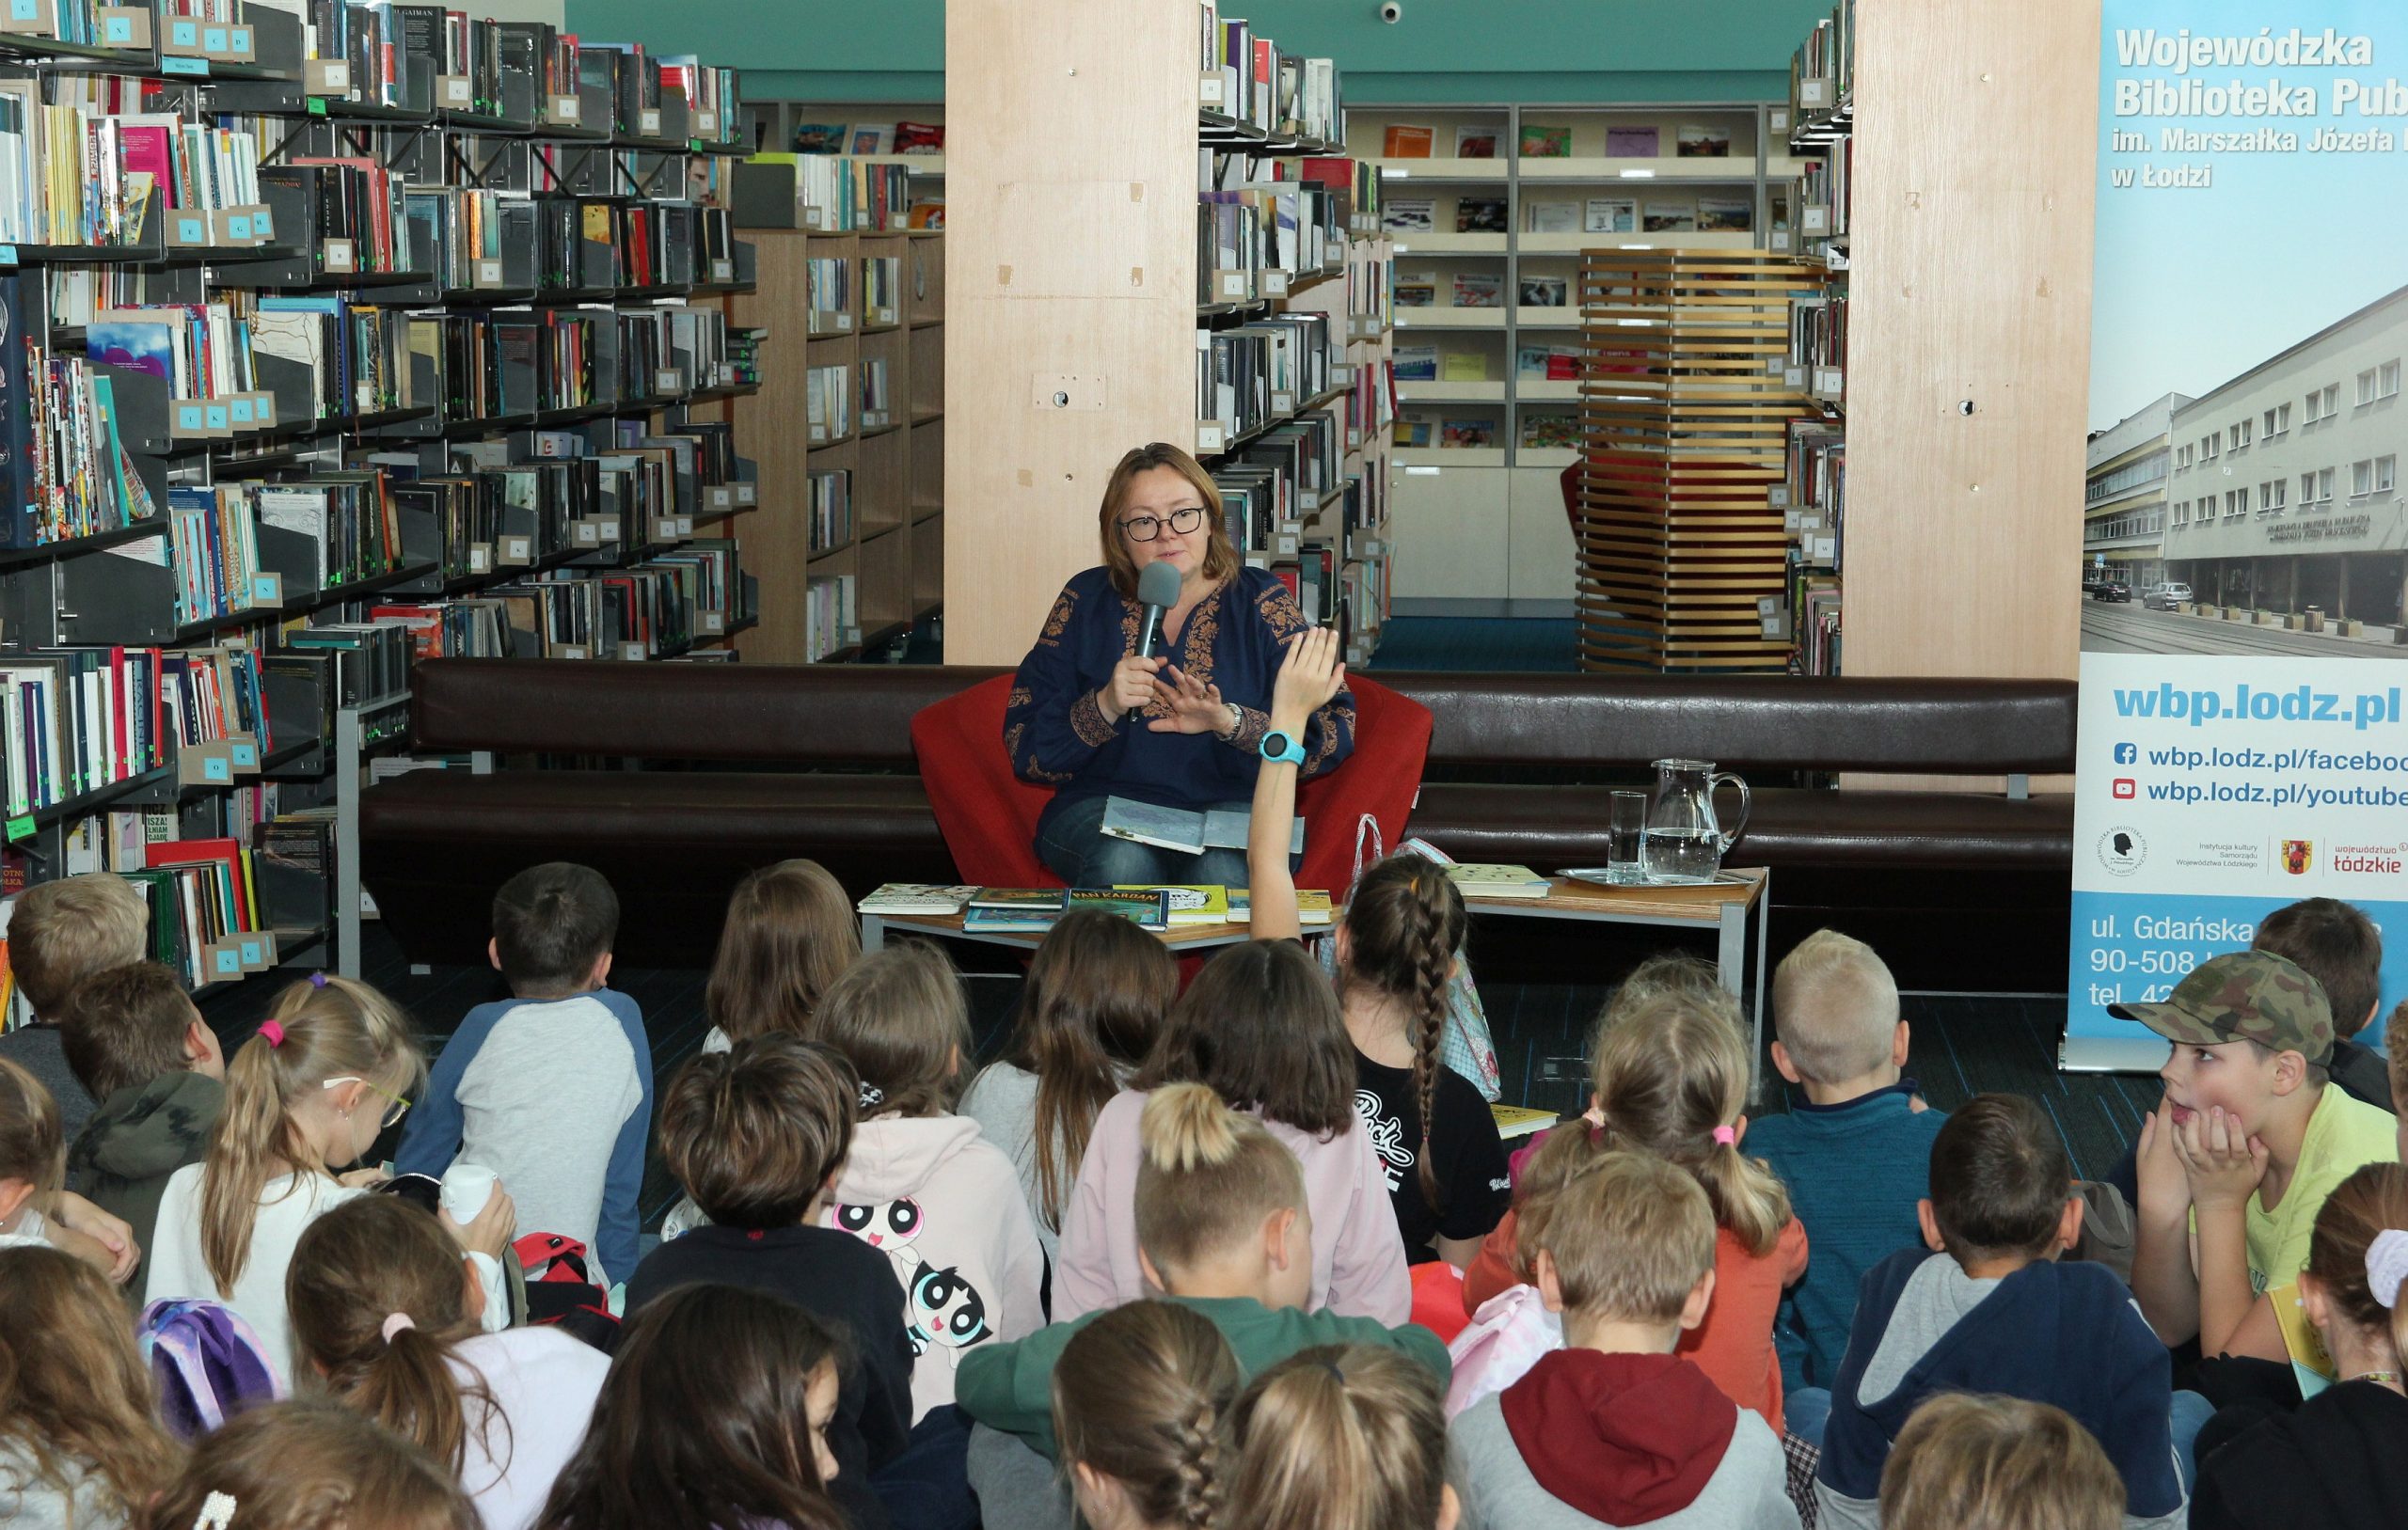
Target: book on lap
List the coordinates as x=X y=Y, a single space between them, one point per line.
x=1183 y=830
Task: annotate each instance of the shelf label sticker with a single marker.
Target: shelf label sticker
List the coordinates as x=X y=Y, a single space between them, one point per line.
x=518 y=549
x=722 y=271
x=1210 y=436
x=1274 y=284
x=566 y=108
x=668 y=380
x=8 y=254
x=219 y=418
x=632 y=652
x=1282 y=403
x=1793 y=377
x=1285 y=547
x=218 y=767
x=331 y=73
x=338 y=253
x=1813 y=92
x=886 y=316
x=225 y=961
x=664 y=529
x=588 y=534
x=267 y=589
x=190 y=417
x=480 y=557
x=253 y=955
x=21 y=827
x=844 y=320
x=214 y=39
x=1417 y=471
x=722 y=497
x=574 y=651
x=609 y=530
x=852 y=637
x=748 y=494
x=706 y=123
x=191 y=228
x=243 y=412
x=315 y=105
x=1777 y=496
x=818 y=434
x=117 y=31
x=262 y=223
x=489 y=273
x=648 y=123
x=241 y=43
x=1815 y=219
x=457 y=92
x=245 y=753
x=182 y=33
x=1208 y=90
x=1781 y=240
x=1235 y=284
x=1829 y=380
x=238 y=228
x=24 y=10
x=712 y=621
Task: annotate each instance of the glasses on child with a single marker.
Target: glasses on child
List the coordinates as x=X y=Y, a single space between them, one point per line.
x=392 y=1113
x=1147 y=528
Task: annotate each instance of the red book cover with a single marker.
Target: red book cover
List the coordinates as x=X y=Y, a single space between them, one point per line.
x=197 y=852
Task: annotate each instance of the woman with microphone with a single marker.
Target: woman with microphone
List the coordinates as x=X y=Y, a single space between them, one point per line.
x=1093 y=714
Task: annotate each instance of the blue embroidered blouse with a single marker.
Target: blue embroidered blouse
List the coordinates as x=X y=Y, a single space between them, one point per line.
x=1056 y=734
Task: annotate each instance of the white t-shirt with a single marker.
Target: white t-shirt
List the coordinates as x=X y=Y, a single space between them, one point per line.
x=544 y=1385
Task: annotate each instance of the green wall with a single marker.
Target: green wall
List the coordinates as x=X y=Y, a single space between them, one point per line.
x=1544 y=51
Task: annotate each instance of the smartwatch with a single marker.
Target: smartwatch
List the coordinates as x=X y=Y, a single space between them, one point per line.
x=1283 y=748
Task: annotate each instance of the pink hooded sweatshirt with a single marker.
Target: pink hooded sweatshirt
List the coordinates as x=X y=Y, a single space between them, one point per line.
x=1358 y=1254
x=944 y=1205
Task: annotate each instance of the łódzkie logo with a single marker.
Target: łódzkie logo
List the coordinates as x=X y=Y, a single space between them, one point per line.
x=2121 y=851
x=2371 y=860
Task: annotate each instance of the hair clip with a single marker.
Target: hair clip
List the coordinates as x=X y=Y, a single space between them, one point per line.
x=872 y=1094
x=217 y=1512
x=1336 y=1374
x=272 y=1033
x=1727 y=1136
x=2388 y=1267
x=317 y=980
x=394 y=1323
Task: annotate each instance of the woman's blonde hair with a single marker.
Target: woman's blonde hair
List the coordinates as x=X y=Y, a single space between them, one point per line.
x=1220 y=558
x=1667 y=1073
x=75 y=1399
x=332 y=1027
x=313 y=1465
x=791 y=934
x=33 y=1145
x=354 y=1271
x=1341 y=1437
x=1142 y=1394
x=901 y=1018
x=1971 y=1462
x=1208 y=1175
x=2369 y=1203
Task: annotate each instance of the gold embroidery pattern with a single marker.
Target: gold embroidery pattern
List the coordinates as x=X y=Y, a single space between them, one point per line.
x=1280 y=612
x=1087 y=721
x=1337 y=717
x=1252 y=725
x=1060 y=619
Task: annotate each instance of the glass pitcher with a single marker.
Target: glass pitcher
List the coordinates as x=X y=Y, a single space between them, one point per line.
x=1685 y=843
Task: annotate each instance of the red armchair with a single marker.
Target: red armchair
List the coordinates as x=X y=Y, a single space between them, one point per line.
x=989 y=815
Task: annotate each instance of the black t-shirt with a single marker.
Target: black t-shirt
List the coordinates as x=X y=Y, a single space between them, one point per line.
x=1464 y=1154
x=847 y=1284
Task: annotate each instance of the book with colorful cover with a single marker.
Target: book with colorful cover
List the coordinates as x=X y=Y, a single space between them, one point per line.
x=917 y=898
x=1188 y=905
x=1404 y=140
x=1313 y=906
x=1148 y=908
x=1052 y=900
x=2311 y=1364
x=1521 y=1120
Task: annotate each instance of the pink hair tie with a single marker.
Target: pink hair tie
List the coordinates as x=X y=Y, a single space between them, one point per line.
x=1727 y=1136
x=394 y=1323
x=274 y=1033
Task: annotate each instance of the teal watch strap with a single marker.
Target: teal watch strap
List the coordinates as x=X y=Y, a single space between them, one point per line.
x=1283 y=748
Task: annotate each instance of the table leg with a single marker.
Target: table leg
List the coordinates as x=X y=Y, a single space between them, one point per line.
x=873 y=933
x=1764 y=943
x=1730 y=960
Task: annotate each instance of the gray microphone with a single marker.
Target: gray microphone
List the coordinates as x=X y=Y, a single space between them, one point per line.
x=1157 y=592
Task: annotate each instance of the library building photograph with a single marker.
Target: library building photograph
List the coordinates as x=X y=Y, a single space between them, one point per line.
x=1143 y=765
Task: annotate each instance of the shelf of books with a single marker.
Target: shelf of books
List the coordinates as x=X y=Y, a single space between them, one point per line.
x=851 y=421
x=909 y=133
x=1489 y=209
x=347 y=339
x=1813 y=494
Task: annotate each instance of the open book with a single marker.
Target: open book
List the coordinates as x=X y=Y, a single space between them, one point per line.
x=1184 y=831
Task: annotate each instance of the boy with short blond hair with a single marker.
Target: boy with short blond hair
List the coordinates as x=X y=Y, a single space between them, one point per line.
x=60 y=933
x=1615 y=1428
x=1853 y=1151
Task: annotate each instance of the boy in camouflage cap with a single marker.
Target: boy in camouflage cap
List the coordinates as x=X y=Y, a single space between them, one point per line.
x=2245 y=1148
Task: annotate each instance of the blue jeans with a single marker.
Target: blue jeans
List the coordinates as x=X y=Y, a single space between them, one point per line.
x=1804 y=1413
x=927 y=1486
x=1075 y=848
x=2189 y=1410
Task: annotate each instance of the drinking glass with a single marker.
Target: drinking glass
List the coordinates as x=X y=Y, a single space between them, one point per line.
x=1625 y=838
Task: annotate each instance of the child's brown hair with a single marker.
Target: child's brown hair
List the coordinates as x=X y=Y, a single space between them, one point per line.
x=64 y=931
x=123 y=1027
x=1260 y=1026
x=1629 y=1236
x=33 y=1142
x=1668 y=1074
x=2337 y=945
x=1208 y=1175
x=1341 y=1437
x=2371 y=1201
x=75 y=1399
x=1142 y=1394
x=354 y=1270
x=2395 y=1051
x=1094 y=1000
x=791 y=934
x=1999 y=1179
x=1970 y=1462
x=331 y=1027
x=552 y=924
x=752 y=1134
x=1403 y=923
x=313 y=1465
x=901 y=1018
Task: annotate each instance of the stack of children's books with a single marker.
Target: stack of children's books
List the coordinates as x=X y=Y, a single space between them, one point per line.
x=1026 y=910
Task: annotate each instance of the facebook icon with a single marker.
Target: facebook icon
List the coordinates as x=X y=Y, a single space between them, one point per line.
x=2126 y=753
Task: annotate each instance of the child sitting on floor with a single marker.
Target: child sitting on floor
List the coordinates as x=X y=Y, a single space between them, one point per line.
x=791 y=934
x=1141 y=1411
x=60 y=933
x=1966 y=1462
x=1343 y=1437
x=80 y=1441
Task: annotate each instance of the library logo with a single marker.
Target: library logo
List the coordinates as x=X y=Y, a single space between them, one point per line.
x=2298 y=855
x=2121 y=851
x=2125 y=788
x=2126 y=753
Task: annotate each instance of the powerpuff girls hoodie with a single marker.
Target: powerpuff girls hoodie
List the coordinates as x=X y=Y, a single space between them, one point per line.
x=944 y=1206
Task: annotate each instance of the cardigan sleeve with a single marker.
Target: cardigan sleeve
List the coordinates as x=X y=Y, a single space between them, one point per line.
x=1052 y=724
x=1329 y=733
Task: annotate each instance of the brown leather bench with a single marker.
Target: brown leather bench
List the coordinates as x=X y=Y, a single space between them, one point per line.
x=686 y=776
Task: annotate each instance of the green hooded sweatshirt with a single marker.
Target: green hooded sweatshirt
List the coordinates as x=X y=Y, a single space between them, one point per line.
x=135 y=1140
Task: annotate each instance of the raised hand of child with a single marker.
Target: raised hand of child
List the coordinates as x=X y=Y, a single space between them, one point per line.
x=2223 y=1162
x=1309 y=675
x=491 y=1231
x=2165 y=1186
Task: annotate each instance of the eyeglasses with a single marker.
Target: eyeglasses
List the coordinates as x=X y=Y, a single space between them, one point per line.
x=399 y=1105
x=1147 y=528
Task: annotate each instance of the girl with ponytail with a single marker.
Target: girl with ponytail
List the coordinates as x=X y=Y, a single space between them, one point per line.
x=331 y=1067
x=1140 y=1407
x=1672 y=1082
x=1342 y=1438
x=2333 y=1463
x=386 y=1312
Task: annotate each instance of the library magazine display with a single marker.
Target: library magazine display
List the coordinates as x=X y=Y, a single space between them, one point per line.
x=340 y=336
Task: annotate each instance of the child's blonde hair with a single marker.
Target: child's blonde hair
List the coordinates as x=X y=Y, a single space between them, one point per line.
x=1341 y=1437
x=64 y=931
x=311 y=1466
x=791 y=934
x=1142 y=1394
x=1835 y=1007
x=1629 y=1236
x=33 y=1142
x=1970 y=1462
x=1668 y=1075
x=1208 y=1175
x=901 y=1018
x=331 y=1027
x=75 y=1399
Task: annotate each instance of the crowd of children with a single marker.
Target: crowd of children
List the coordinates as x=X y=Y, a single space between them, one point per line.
x=1156 y=1268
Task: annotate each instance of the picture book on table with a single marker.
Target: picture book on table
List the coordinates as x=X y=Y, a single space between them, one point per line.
x=1018 y=897
x=1409 y=215
x=1726 y=212
x=1474 y=143
x=1703 y=142
x=919 y=137
x=820 y=137
x=1610 y=215
x=1666 y=216
x=1405 y=141
x=1458 y=434
x=1188 y=905
x=1633 y=143
x=1479 y=289
x=1312 y=907
x=1545 y=143
x=917 y=898
x=1546 y=292
x=1148 y=908
x=1481 y=215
